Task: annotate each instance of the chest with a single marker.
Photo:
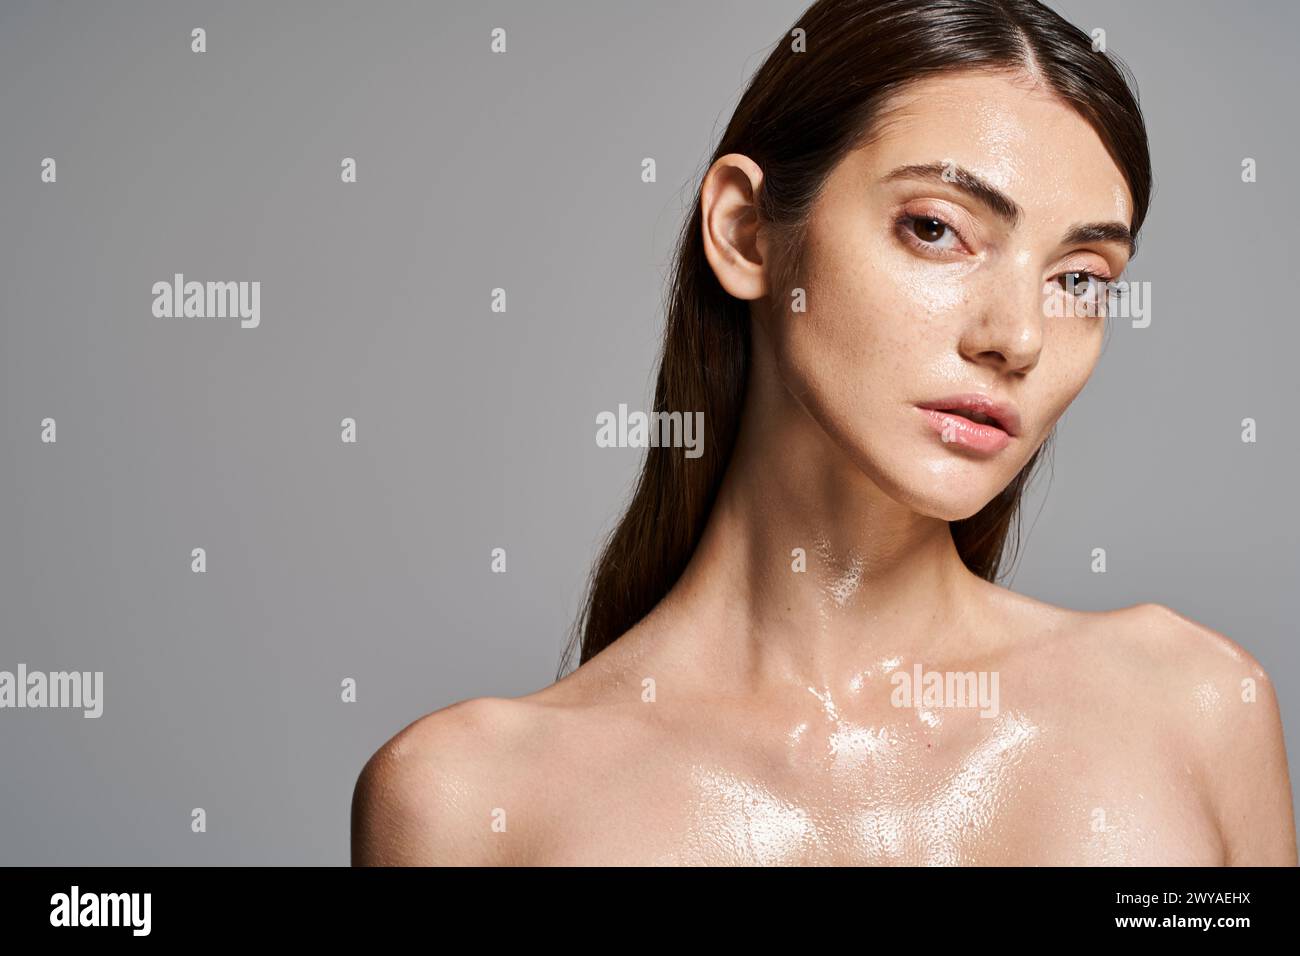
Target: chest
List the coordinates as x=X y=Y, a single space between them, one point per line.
x=1011 y=796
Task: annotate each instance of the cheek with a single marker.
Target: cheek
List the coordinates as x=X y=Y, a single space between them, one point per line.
x=1070 y=354
x=873 y=321
x=937 y=298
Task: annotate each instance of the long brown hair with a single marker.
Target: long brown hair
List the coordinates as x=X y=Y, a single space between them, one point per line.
x=804 y=109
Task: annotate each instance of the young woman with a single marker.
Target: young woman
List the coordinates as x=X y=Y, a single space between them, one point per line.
x=892 y=284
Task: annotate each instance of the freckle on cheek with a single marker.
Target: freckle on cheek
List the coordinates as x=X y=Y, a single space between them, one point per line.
x=932 y=295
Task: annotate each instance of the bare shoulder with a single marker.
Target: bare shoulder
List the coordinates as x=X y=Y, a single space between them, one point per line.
x=1224 y=711
x=1148 y=671
x=429 y=796
x=1208 y=670
x=485 y=780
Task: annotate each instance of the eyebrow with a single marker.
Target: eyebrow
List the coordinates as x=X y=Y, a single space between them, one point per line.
x=1004 y=207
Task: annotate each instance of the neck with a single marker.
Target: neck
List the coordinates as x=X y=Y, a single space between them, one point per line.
x=807 y=573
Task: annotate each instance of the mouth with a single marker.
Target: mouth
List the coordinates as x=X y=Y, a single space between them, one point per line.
x=973 y=421
x=977 y=417
x=980 y=409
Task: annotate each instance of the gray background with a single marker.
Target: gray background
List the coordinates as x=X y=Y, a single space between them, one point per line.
x=476 y=429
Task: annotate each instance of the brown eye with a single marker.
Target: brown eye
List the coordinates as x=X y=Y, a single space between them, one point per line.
x=1080 y=283
x=928 y=230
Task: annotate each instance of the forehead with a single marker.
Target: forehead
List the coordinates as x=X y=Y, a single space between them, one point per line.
x=1010 y=131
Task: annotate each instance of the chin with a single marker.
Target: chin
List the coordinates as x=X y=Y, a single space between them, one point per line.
x=948 y=507
x=937 y=490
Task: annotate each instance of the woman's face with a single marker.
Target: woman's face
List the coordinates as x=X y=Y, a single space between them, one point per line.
x=939 y=264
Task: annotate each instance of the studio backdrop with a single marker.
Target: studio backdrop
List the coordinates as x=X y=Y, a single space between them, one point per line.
x=360 y=479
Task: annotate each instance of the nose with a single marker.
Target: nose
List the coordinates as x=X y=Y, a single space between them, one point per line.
x=1007 y=334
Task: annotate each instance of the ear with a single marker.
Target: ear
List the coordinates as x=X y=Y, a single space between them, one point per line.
x=734 y=243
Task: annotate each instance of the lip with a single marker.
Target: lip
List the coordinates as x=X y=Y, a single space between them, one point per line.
x=961 y=431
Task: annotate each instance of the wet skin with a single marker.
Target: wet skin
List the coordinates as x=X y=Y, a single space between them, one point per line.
x=751 y=717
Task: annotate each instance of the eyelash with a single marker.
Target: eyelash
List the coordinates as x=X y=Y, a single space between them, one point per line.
x=907 y=220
